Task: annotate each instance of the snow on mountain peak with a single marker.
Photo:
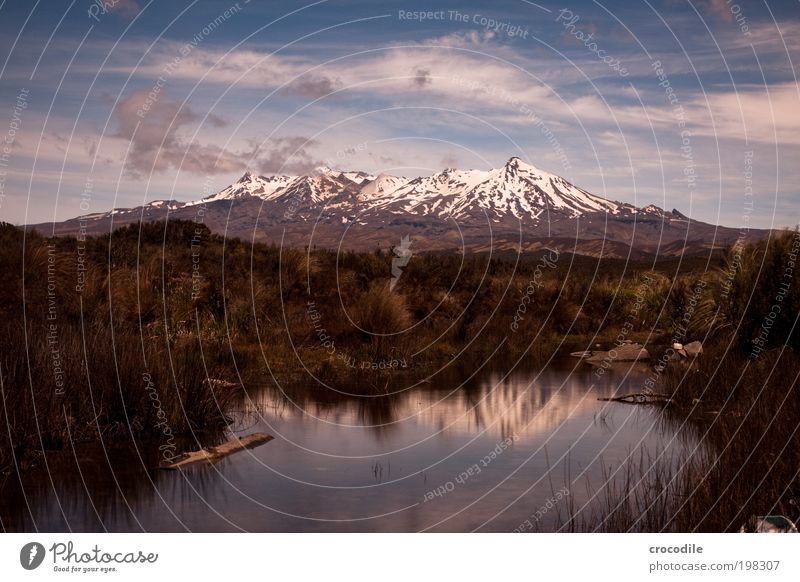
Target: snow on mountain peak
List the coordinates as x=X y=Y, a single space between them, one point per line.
x=324 y=171
x=518 y=189
x=382 y=185
x=251 y=184
x=518 y=163
x=358 y=177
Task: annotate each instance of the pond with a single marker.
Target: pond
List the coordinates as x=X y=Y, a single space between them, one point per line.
x=487 y=451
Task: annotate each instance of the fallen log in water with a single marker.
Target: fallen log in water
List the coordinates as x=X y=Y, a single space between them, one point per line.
x=639 y=398
x=211 y=454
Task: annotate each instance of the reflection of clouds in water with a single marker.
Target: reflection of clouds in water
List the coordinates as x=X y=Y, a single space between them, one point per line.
x=321 y=476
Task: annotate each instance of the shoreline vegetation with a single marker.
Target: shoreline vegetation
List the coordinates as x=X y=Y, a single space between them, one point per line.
x=150 y=333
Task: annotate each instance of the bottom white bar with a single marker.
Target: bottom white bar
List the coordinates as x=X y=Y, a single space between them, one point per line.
x=371 y=557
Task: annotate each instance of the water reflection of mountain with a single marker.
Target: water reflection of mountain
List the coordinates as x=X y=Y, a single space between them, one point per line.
x=499 y=404
x=332 y=447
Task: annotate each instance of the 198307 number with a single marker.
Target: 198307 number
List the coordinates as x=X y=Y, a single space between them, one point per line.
x=761 y=564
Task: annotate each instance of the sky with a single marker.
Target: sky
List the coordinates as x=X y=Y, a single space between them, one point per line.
x=686 y=105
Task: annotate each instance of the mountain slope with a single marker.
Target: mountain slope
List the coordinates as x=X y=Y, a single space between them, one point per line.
x=517 y=206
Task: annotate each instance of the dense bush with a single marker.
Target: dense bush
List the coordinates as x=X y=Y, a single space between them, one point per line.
x=184 y=305
x=760 y=290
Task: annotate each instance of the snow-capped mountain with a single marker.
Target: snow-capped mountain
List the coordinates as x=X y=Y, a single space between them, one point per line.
x=517 y=189
x=317 y=187
x=381 y=186
x=264 y=187
x=516 y=206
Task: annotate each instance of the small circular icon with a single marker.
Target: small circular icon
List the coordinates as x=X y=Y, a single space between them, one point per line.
x=31 y=555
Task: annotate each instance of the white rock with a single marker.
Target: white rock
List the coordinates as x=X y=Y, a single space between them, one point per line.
x=693 y=349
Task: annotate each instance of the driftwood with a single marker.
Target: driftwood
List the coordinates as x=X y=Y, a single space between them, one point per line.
x=211 y=454
x=639 y=398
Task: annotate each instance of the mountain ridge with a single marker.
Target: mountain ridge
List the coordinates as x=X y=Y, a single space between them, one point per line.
x=469 y=210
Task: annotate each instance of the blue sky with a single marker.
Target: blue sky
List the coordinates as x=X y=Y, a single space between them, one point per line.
x=682 y=104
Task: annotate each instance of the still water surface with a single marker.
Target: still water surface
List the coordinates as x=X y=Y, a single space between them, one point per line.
x=374 y=464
